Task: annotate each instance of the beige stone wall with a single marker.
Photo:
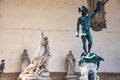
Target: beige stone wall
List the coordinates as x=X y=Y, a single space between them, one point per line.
x=22 y=20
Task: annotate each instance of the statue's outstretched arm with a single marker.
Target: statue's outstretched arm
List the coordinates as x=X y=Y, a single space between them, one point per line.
x=98 y=8
x=42 y=35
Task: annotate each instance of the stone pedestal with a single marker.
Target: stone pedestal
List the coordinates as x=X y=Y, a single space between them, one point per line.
x=43 y=76
x=89 y=66
x=38 y=78
x=71 y=77
x=89 y=71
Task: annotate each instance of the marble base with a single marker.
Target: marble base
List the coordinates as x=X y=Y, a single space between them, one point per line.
x=71 y=77
x=43 y=76
x=39 y=78
x=87 y=69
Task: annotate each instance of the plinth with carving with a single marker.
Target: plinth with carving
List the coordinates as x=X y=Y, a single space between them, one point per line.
x=89 y=66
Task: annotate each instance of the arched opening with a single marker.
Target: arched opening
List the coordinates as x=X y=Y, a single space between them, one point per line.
x=91 y=75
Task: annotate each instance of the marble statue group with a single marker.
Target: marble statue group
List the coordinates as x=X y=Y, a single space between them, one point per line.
x=39 y=63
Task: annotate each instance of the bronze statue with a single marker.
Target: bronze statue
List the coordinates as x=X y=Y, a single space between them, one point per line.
x=83 y=25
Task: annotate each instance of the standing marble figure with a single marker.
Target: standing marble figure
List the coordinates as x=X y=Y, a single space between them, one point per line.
x=84 y=22
x=25 y=60
x=70 y=63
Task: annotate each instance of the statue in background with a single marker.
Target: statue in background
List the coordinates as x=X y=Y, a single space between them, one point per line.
x=39 y=62
x=25 y=60
x=2 y=67
x=70 y=64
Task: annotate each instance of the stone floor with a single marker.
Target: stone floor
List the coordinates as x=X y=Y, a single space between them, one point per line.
x=61 y=76
x=109 y=76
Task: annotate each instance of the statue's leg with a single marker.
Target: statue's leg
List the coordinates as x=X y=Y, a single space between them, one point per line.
x=90 y=41
x=69 y=70
x=84 y=43
x=72 y=69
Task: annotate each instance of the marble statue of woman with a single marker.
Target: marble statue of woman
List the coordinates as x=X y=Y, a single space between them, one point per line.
x=70 y=63
x=25 y=60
